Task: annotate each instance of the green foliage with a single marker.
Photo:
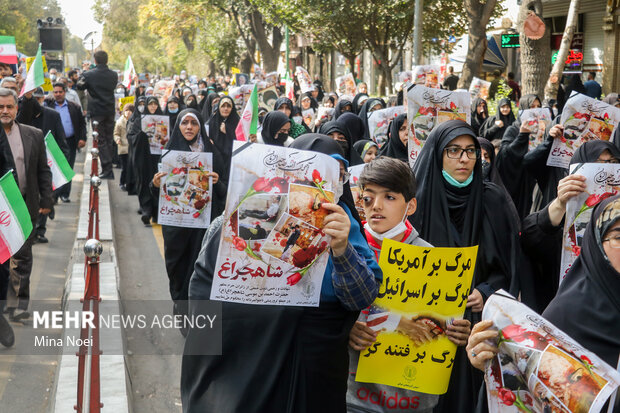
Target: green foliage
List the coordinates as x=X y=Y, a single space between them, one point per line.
x=19 y=19
x=219 y=40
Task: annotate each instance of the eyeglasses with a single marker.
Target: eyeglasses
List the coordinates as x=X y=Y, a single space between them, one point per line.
x=613 y=242
x=611 y=160
x=455 y=152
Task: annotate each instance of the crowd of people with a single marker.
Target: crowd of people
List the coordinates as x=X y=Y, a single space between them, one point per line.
x=472 y=184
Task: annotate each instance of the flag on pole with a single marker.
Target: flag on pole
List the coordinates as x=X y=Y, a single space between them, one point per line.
x=8 y=51
x=35 y=76
x=248 y=123
x=61 y=170
x=128 y=73
x=15 y=222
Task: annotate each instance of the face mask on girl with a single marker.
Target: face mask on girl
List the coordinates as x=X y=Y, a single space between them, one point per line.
x=298 y=119
x=141 y=108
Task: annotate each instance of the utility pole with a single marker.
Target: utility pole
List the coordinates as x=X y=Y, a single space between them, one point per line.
x=286 y=41
x=417 y=32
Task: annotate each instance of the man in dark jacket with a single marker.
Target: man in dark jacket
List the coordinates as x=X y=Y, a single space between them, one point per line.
x=100 y=83
x=74 y=125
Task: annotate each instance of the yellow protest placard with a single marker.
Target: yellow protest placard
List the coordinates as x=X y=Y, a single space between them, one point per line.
x=423 y=290
x=47 y=85
x=235 y=70
x=123 y=101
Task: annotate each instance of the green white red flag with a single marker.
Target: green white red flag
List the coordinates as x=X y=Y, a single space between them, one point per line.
x=61 y=170
x=35 y=76
x=128 y=73
x=248 y=124
x=15 y=222
x=8 y=51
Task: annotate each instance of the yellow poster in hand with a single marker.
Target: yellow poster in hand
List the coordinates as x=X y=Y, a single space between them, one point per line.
x=423 y=290
x=124 y=101
x=47 y=85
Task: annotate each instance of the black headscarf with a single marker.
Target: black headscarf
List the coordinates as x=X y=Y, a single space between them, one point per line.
x=493 y=175
x=354 y=125
x=587 y=305
x=394 y=147
x=284 y=101
x=355 y=105
x=150 y=100
x=29 y=109
x=336 y=126
x=272 y=123
x=339 y=109
x=224 y=141
x=590 y=151
x=477 y=119
x=191 y=102
x=207 y=107
x=364 y=113
x=527 y=101
x=362 y=147
x=575 y=85
x=491 y=131
x=172 y=116
x=457 y=217
x=313 y=103
x=204 y=93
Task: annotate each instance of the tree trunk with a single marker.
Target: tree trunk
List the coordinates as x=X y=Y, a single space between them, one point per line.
x=551 y=89
x=351 y=59
x=535 y=54
x=270 y=52
x=478 y=16
x=246 y=62
x=189 y=44
x=385 y=78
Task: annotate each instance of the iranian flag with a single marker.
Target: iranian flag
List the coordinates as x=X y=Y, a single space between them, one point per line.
x=15 y=223
x=128 y=72
x=249 y=119
x=35 y=77
x=61 y=170
x=8 y=51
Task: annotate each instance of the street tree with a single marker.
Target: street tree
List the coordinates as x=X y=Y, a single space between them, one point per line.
x=535 y=52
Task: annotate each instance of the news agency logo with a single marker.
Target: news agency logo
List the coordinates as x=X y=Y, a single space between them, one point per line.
x=86 y=319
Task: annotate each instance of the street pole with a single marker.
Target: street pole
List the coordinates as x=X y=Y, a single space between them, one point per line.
x=286 y=40
x=417 y=32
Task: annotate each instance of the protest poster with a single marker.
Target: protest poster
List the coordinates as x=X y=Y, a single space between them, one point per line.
x=271 y=79
x=346 y=84
x=47 y=83
x=266 y=98
x=272 y=248
x=423 y=291
x=240 y=96
x=404 y=77
x=241 y=79
x=539 y=368
x=584 y=119
x=426 y=75
x=325 y=114
x=157 y=128
x=309 y=115
x=124 y=101
x=163 y=90
x=602 y=182
x=304 y=79
x=427 y=108
x=479 y=88
x=379 y=122
x=355 y=172
x=538 y=120
x=186 y=190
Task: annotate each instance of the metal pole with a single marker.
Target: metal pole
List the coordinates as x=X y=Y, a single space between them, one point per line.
x=417 y=32
x=286 y=40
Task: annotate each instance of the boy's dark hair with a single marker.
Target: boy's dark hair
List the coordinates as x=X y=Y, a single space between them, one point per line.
x=71 y=73
x=392 y=174
x=60 y=84
x=101 y=57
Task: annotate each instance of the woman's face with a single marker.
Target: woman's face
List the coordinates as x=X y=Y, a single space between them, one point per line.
x=607 y=157
x=462 y=167
x=152 y=107
x=173 y=105
x=485 y=155
x=535 y=104
x=362 y=88
x=347 y=108
x=315 y=93
x=328 y=104
x=505 y=110
x=337 y=136
x=481 y=107
x=370 y=155
x=612 y=253
x=225 y=108
x=402 y=133
x=285 y=109
x=305 y=103
x=189 y=128
x=375 y=107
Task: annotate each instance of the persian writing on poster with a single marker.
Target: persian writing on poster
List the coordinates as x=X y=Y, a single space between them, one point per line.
x=157 y=128
x=304 y=79
x=356 y=190
x=537 y=121
x=584 y=119
x=379 y=122
x=423 y=291
x=602 y=181
x=186 y=191
x=479 y=88
x=427 y=108
x=539 y=368
x=346 y=85
x=426 y=75
x=273 y=249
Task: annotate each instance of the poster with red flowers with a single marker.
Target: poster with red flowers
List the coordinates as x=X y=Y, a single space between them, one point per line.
x=186 y=190
x=346 y=84
x=427 y=108
x=584 y=119
x=379 y=122
x=602 y=181
x=479 y=88
x=272 y=248
x=539 y=368
x=157 y=128
x=426 y=75
x=304 y=79
x=356 y=190
x=537 y=121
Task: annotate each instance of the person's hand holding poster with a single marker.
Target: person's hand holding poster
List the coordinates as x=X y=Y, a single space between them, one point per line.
x=186 y=190
x=423 y=290
x=157 y=128
x=379 y=122
x=304 y=79
x=584 y=119
x=602 y=182
x=539 y=368
x=427 y=108
x=273 y=249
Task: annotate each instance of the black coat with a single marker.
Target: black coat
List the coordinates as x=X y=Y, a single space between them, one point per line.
x=77 y=118
x=100 y=83
x=49 y=121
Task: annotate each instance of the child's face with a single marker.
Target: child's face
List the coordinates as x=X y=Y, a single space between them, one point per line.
x=385 y=209
x=370 y=155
